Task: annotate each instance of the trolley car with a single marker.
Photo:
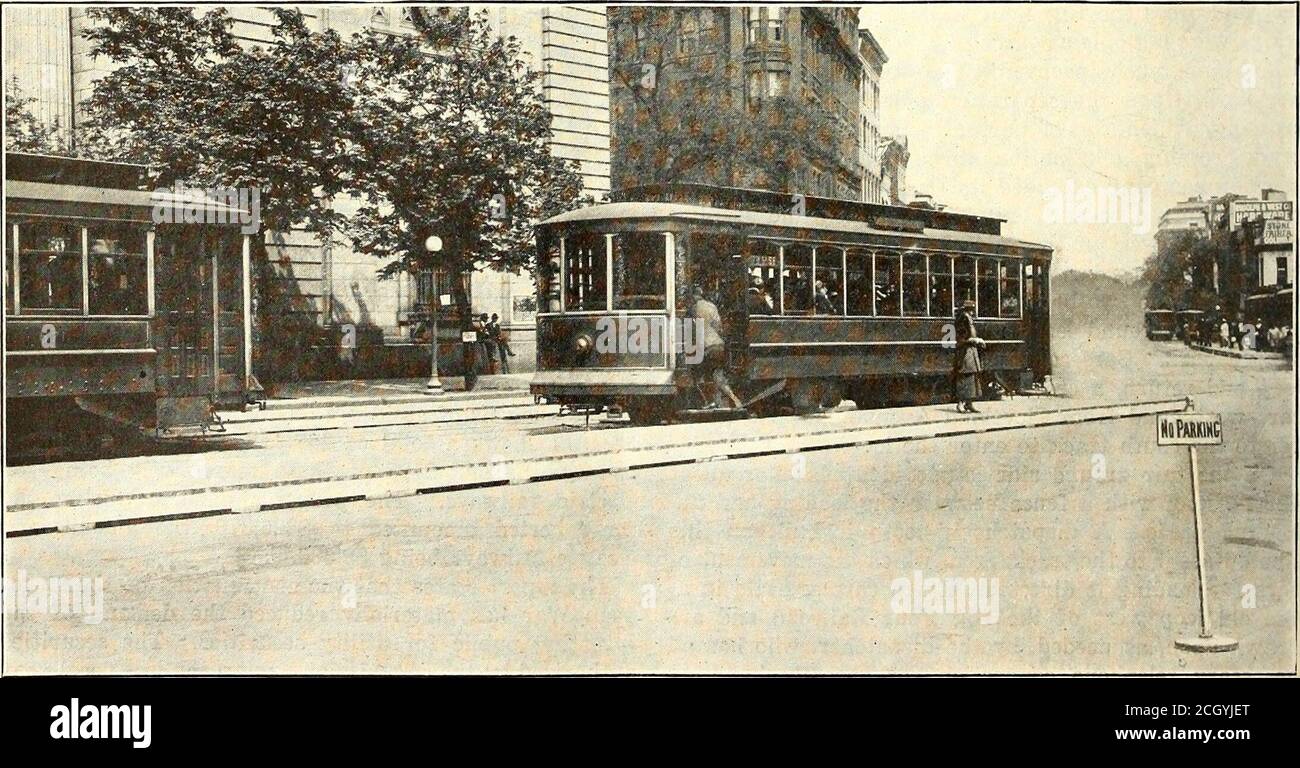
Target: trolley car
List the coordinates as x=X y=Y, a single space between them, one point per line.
x=114 y=323
x=851 y=300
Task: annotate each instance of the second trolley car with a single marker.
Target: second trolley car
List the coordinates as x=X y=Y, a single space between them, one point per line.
x=115 y=323
x=820 y=300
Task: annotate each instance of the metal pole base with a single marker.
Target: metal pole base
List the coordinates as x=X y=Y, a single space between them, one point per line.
x=1210 y=644
x=433 y=387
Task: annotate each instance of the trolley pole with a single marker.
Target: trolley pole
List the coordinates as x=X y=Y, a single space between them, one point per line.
x=1193 y=429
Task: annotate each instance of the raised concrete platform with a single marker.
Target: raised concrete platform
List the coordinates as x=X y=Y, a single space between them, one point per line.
x=1238 y=353
x=81 y=496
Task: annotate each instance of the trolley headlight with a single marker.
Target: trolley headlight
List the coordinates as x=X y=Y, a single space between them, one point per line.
x=583 y=344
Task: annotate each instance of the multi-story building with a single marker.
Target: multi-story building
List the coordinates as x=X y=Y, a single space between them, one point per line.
x=331 y=284
x=755 y=53
x=873 y=60
x=1191 y=214
x=893 y=170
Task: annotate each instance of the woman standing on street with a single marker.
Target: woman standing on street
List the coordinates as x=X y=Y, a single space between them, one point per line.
x=966 y=365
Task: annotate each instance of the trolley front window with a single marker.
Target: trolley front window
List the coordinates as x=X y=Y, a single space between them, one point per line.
x=49 y=268
x=639 y=278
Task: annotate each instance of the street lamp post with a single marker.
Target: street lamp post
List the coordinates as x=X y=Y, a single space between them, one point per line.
x=433 y=244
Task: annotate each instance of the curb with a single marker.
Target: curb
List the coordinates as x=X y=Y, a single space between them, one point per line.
x=124 y=509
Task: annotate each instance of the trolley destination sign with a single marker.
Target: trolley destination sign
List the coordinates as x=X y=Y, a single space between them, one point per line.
x=1189 y=429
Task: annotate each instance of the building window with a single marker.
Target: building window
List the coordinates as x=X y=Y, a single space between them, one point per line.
x=688 y=33
x=775 y=24
x=379 y=18
x=777 y=84
x=1282 y=277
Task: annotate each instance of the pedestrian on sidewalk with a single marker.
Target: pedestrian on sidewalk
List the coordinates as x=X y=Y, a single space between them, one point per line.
x=489 y=344
x=966 y=364
x=498 y=337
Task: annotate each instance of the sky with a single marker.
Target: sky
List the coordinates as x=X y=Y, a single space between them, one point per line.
x=1029 y=113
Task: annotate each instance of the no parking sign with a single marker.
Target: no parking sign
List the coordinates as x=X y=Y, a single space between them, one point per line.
x=1192 y=429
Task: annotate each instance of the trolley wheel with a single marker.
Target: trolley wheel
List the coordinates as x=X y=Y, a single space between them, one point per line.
x=648 y=411
x=832 y=394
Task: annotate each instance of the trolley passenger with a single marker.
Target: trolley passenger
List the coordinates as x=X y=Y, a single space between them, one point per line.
x=758 y=299
x=714 y=364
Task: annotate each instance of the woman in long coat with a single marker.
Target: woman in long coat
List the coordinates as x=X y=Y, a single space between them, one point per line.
x=966 y=365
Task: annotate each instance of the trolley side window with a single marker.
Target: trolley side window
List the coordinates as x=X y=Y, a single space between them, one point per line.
x=914 y=285
x=548 y=273
x=10 y=252
x=118 y=270
x=640 y=281
x=1009 y=288
x=829 y=284
x=764 y=263
x=585 y=277
x=49 y=268
x=941 y=285
x=887 y=287
x=796 y=280
x=858 y=282
x=986 y=287
x=963 y=280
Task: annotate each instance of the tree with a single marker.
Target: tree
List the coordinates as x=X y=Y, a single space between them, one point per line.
x=199 y=108
x=449 y=136
x=24 y=132
x=1180 y=274
x=681 y=114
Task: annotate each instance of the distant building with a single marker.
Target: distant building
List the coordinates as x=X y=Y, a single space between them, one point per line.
x=893 y=170
x=331 y=284
x=873 y=59
x=765 y=52
x=1262 y=235
x=1191 y=214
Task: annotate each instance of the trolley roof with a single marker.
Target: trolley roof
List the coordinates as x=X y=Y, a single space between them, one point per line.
x=626 y=211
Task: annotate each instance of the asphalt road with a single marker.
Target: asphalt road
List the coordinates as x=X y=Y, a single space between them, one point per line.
x=1077 y=541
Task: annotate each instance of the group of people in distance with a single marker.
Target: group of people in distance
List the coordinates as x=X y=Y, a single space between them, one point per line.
x=495 y=343
x=1220 y=331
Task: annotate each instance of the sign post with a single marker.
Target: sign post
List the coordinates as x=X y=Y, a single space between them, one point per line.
x=1193 y=429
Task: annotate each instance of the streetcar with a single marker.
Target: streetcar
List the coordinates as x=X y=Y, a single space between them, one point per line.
x=116 y=325
x=1160 y=324
x=854 y=300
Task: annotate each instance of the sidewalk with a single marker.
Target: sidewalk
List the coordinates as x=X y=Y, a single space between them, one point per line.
x=1237 y=353
x=75 y=496
x=324 y=394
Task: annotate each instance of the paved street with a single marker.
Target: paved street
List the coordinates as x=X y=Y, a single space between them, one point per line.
x=783 y=562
